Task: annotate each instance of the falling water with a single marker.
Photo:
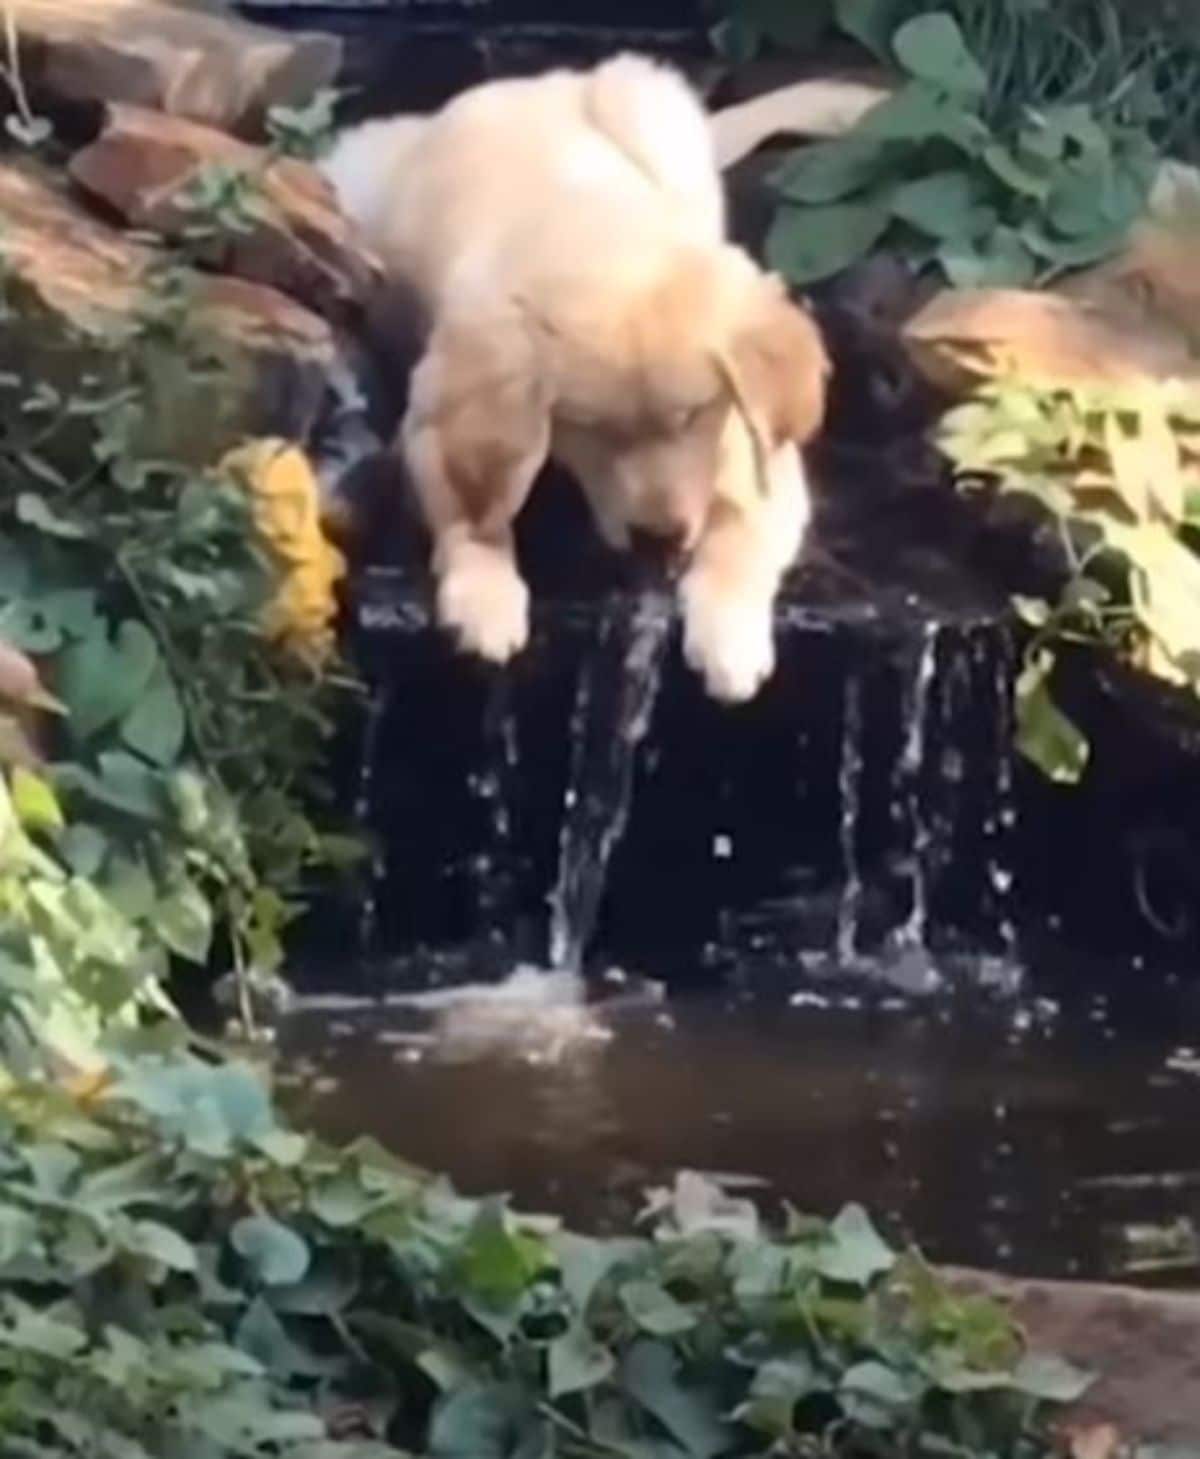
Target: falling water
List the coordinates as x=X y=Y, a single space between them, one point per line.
x=613 y=708
x=376 y=713
x=1000 y=871
x=493 y=786
x=850 y=789
x=908 y=777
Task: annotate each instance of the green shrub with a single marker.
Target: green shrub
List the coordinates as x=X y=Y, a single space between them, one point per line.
x=184 y=1276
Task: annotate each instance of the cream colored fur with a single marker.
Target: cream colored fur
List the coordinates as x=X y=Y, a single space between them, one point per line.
x=566 y=237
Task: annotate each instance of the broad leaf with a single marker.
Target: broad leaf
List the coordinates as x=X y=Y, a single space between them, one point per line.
x=807 y=244
x=101 y=678
x=155 y=726
x=1045 y=735
x=576 y=1361
x=651 y=1374
x=932 y=48
x=276 y=1254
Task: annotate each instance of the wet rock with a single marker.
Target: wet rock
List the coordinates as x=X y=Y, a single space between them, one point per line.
x=180 y=60
x=143 y=165
x=963 y=336
x=74 y=279
x=1143 y=1346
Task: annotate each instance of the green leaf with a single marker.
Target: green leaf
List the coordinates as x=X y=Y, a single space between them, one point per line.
x=155 y=726
x=481 y=1421
x=1050 y=1378
x=100 y=679
x=159 y=1243
x=497 y=1262
x=689 y=1413
x=655 y=1311
x=277 y=1255
x=1018 y=176
x=34 y=801
x=778 y=1386
x=1045 y=735
x=931 y=47
x=879 y=1397
x=943 y=205
x=854 y=1252
x=807 y=244
x=18 y=1233
x=84 y=848
x=576 y=1361
x=35 y=511
x=184 y=921
x=870 y=22
x=1000 y=260
x=825 y=172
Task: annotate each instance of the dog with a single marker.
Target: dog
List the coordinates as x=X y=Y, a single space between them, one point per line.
x=564 y=237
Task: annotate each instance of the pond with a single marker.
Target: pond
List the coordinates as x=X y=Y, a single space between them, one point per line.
x=1017 y=1135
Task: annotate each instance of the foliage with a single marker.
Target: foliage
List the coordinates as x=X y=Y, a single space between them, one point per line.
x=151 y=589
x=1118 y=470
x=1130 y=64
x=184 y=1276
x=926 y=170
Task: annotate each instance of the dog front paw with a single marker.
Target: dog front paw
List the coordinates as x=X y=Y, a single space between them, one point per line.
x=485 y=605
x=728 y=638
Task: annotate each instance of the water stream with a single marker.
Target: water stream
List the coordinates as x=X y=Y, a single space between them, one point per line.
x=618 y=687
x=850 y=772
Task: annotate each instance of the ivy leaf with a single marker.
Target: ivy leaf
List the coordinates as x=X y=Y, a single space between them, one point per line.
x=778 y=1386
x=498 y=1263
x=35 y=802
x=1045 y=735
x=807 y=244
x=84 y=848
x=854 y=1251
x=825 y=172
x=870 y=22
x=879 y=1397
x=277 y=1255
x=155 y=726
x=159 y=1243
x=691 y=1415
x=655 y=1311
x=932 y=48
x=35 y=511
x=575 y=1362
x=184 y=921
x=101 y=679
x=943 y=205
x=999 y=261
x=481 y=1421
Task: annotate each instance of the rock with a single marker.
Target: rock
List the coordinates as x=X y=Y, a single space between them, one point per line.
x=180 y=60
x=1143 y=1346
x=74 y=278
x=143 y=165
x=962 y=336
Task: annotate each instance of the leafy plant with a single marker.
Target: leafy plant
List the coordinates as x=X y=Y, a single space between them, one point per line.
x=928 y=172
x=174 y=812
x=184 y=1275
x=1118 y=470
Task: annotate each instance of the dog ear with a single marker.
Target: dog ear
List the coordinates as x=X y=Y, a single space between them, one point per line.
x=481 y=399
x=781 y=365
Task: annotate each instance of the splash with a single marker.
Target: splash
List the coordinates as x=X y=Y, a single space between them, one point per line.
x=614 y=705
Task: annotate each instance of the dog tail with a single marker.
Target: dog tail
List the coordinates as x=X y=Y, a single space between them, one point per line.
x=363 y=163
x=653 y=116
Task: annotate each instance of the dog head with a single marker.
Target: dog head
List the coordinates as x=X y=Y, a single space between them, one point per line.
x=648 y=385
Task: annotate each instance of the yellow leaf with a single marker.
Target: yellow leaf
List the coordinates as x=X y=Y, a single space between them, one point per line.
x=35 y=802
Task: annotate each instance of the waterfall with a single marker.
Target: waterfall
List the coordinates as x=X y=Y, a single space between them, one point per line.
x=850 y=772
x=909 y=776
x=372 y=725
x=614 y=704
x=494 y=787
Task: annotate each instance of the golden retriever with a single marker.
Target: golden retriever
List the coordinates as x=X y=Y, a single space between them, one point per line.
x=565 y=238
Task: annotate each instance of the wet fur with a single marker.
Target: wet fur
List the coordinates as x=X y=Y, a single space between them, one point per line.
x=565 y=236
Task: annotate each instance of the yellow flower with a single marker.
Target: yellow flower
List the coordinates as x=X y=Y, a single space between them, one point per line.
x=287 y=511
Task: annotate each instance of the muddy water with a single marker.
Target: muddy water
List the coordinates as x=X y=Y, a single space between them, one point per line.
x=1019 y=1137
